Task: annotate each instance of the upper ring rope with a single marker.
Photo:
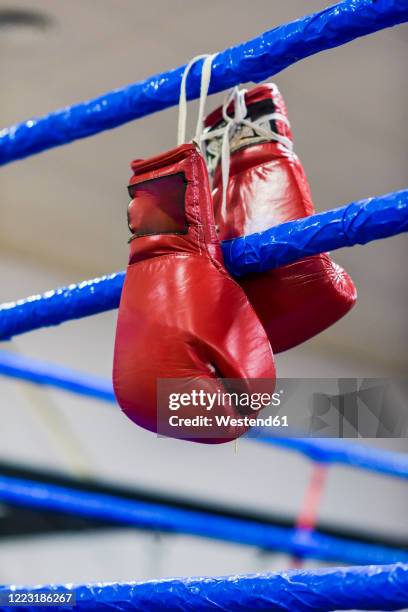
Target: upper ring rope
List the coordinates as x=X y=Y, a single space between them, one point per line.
x=254 y=60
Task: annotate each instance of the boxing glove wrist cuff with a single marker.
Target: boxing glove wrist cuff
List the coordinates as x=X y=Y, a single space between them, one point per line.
x=166 y=213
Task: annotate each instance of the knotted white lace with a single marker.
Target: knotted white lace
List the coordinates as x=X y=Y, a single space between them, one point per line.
x=223 y=135
x=218 y=141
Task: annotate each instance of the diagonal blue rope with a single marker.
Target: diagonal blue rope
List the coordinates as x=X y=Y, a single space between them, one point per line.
x=254 y=60
x=39 y=372
x=338 y=451
x=147 y=515
x=322 y=450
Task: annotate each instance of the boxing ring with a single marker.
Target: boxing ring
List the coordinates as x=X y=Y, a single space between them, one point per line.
x=378 y=576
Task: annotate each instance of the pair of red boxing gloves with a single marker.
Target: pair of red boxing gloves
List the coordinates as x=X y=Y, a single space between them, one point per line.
x=181 y=315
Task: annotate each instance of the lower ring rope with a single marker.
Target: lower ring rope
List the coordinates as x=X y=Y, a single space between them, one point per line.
x=343 y=588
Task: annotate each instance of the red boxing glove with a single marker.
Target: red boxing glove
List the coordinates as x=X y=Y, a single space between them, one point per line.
x=267 y=186
x=181 y=315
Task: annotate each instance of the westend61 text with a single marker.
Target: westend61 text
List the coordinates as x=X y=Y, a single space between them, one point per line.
x=227 y=421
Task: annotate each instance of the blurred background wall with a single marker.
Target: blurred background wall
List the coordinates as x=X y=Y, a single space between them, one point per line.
x=63 y=219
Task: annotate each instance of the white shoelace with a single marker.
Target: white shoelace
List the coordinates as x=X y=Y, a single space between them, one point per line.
x=205 y=83
x=222 y=136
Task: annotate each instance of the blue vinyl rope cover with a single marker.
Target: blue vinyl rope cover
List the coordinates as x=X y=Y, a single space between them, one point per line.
x=356 y=223
x=323 y=590
x=254 y=60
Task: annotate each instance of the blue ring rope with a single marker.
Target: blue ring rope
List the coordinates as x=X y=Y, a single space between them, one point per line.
x=254 y=60
x=372 y=587
x=338 y=451
x=357 y=223
x=47 y=374
x=322 y=450
x=145 y=515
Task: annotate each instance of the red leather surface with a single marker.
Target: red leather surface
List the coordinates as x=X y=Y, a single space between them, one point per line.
x=181 y=315
x=268 y=186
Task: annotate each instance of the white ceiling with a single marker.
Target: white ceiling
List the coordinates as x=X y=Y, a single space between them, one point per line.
x=66 y=208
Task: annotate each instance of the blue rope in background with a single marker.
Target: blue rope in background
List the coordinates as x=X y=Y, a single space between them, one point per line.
x=145 y=515
x=322 y=450
x=357 y=223
x=255 y=60
x=319 y=590
x=333 y=450
x=52 y=375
